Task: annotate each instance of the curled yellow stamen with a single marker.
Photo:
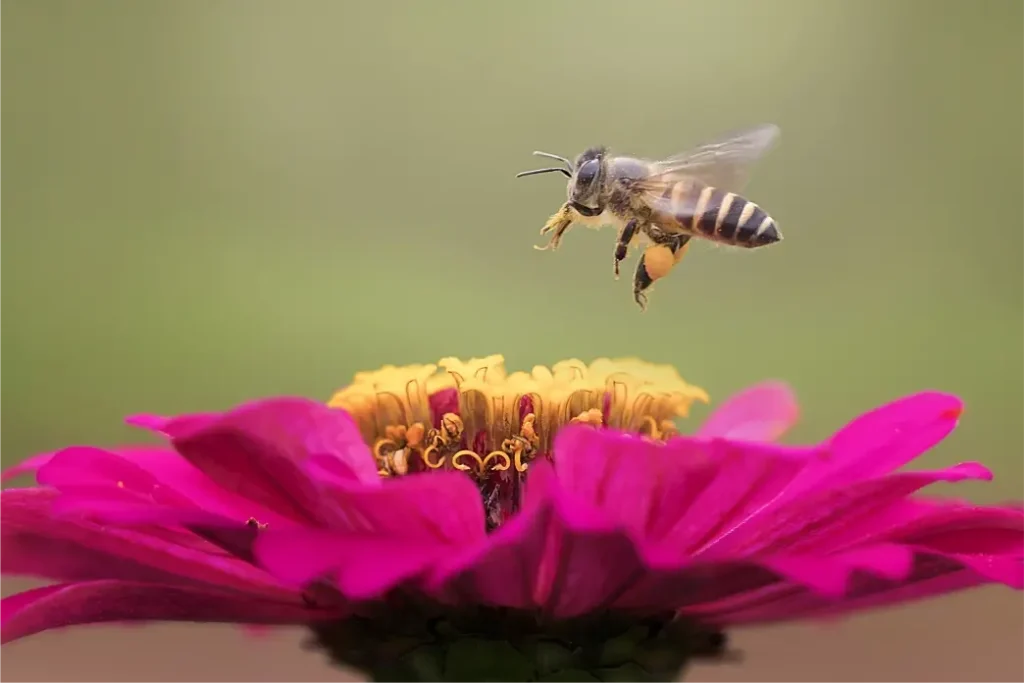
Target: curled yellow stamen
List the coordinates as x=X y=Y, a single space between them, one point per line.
x=495 y=461
x=656 y=430
x=504 y=420
x=592 y=417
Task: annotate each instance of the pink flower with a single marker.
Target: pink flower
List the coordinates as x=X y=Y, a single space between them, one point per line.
x=583 y=537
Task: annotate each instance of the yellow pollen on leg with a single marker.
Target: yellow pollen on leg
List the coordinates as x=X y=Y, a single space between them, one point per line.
x=504 y=420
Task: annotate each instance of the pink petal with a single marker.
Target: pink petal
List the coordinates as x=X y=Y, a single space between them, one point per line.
x=743 y=480
x=566 y=563
x=541 y=484
x=153 y=423
x=566 y=559
x=26 y=466
x=364 y=566
x=930 y=576
x=260 y=450
x=1008 y=571
x=83 y=467
x=828 y=579
x=809 y=584
x=883 y=575
x=887 y=560
x=159 y=475
x=887 y=438
x=763 y=412
x=682 y=494
x=642 y=485
x=443 y=506
x=63 y=605
x=804 y=525
x=386 y=535
x=946 y=527
x=607 y=469
x=230 y=535
x=933 y=577
x=26 y=552
x=35 y=542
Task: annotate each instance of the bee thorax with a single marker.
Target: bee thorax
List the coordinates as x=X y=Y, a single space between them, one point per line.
x=606 y=217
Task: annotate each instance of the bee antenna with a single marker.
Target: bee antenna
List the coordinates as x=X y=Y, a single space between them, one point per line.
x=554 y=156
x=557 y=169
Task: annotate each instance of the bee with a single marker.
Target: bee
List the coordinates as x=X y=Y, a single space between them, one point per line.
x=667 y=202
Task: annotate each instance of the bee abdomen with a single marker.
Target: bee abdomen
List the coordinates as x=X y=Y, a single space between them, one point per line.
x=728 y=217
x=721 y=216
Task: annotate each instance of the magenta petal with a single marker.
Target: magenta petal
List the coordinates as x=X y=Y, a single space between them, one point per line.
x=742 y=481
x=28 y=550
x=825 y=578
x=786 y=525
x=130 y=512
x=888 y=560
x=763 y=412
x=385 y=536
x=567 y=560
x=36 y=542
x=682 y=495
x=948 y=527
x=63 y=605
x=153 y=423
x=541 y=484
x=1008 y=571
x=298 y=426
x=640 y=484
x=930 y=576
x=172 y=426
x=158 y=475
x=364 y=566
x=891 y=436
x=558 y=557
x=86 y=467
x=904 y=593
x=260 y=450
x=230 y=535
x=31 y=464
x=440 y=506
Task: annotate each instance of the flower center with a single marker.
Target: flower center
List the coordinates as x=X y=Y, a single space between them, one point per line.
x=475 y=417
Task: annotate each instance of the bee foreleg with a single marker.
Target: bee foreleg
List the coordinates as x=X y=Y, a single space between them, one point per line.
x=560 y=222
x=657 y=261
x=626 y=235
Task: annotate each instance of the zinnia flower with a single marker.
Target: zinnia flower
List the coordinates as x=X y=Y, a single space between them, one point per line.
x=472 y=524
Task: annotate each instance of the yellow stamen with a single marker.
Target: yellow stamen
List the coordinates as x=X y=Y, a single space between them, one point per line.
x=504 y=419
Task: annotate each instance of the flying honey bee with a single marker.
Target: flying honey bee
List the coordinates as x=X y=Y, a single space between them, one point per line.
x=693 y=194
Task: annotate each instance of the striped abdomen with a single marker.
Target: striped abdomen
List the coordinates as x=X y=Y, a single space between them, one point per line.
x=722 y=216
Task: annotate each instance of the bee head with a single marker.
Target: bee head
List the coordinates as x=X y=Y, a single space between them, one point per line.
x=586 y=178
x=586 y=181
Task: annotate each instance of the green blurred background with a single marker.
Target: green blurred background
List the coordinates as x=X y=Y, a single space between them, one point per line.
x=205 y=202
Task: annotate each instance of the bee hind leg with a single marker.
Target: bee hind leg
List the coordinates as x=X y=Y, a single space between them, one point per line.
x=657 y=261
x=626 y=235
x=641 y=282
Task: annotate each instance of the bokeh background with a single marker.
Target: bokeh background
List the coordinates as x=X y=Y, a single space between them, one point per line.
x=210 y=201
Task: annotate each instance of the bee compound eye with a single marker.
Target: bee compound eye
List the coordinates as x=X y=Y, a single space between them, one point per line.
x=588 y=172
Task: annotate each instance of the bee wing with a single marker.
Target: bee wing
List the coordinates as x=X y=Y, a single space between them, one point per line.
x=723 y=163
